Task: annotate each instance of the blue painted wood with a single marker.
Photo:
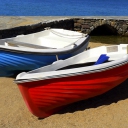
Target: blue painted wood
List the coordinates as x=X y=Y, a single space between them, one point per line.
x=11 y=63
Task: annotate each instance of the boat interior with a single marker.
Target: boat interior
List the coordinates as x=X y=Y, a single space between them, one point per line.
x=53 y=39
x=104 y=57
x=100 y=55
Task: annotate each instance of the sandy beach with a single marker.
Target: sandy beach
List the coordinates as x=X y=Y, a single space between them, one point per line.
x=109 y=110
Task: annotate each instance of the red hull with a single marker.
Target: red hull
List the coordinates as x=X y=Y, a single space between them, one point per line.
x=44 y=97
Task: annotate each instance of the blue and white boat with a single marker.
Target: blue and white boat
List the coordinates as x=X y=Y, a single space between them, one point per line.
x=28 y=52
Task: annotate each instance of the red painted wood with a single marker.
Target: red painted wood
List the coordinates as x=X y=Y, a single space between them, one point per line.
x=45 y=97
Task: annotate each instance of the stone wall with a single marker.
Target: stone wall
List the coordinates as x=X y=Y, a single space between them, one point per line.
x=12 y=32
x=78 y=24
x=88 y=25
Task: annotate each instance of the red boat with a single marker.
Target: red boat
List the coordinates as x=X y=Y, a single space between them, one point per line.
x=47 y=89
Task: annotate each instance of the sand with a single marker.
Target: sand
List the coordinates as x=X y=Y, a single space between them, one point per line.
x=109 y=110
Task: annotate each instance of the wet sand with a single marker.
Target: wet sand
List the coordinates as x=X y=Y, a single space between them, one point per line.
x=109 y=110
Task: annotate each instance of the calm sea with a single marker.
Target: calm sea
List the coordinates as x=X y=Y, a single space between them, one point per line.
x=68 y=8
x=64 y=8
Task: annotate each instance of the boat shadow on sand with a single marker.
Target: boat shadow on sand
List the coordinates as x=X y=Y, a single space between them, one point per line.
x=113 y=96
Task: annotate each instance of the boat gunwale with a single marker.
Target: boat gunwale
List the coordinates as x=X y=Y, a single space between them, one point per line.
x=69 y=74
x=49 y=51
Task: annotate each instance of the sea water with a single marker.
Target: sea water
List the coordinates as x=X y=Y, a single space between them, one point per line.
x=64 y=8
x=68 y=8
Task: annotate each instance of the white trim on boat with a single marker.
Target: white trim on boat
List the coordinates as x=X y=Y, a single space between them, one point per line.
x=24 y=77
x=73 y=47
x=117 y=57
